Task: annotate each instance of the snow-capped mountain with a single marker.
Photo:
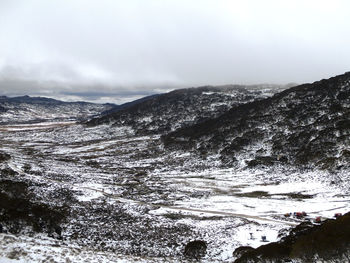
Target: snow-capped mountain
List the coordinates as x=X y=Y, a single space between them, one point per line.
x=27 y=109
x=304 y=125
x=184 y=107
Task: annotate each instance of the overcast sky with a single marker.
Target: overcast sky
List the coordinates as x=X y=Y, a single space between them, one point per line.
x=110 y=50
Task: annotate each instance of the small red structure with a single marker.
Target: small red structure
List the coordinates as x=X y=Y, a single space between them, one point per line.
x=298 y=214
x=318 y=219
x=336 y=215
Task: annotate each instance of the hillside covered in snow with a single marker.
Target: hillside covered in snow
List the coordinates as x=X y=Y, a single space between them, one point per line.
x=184 y=107
x=26 y=109
x=306 y=125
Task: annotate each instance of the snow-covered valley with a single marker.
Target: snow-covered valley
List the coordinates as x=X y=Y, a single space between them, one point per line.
x=155 y=191
x=212 y=174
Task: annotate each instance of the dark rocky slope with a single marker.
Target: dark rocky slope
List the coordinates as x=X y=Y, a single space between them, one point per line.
x=182 y=108
x=328 y=242
x=304 y=125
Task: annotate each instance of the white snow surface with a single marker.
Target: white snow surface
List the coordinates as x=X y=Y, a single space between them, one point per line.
x=24 y=249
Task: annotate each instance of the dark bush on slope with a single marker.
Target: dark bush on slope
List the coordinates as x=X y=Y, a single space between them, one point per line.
x=18 y=211
x=4 y=157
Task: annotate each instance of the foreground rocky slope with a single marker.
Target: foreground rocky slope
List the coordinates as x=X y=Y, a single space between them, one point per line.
x=184 y=107
x=304 y=125
x=27 y=109
x=327 y=242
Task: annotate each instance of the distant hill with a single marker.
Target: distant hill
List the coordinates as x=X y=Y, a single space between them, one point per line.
x=26 y=109
x=305 y=125
x=184 y=107
x=30 y=100
x=128 y=104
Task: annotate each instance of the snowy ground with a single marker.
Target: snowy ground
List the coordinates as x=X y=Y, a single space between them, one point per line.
x=24 y=249
x=227 y=208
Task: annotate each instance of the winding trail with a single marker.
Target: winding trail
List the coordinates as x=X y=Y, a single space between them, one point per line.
x=36 y=126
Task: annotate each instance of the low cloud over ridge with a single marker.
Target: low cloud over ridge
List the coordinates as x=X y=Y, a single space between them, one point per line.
x=95 y=50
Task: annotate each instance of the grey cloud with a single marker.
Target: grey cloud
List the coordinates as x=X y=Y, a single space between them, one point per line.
x=136 y=47
x=94 y=92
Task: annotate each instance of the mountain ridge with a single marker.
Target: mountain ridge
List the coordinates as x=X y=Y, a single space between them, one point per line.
x=183 y=107
x=27 y=109
x=267 y=122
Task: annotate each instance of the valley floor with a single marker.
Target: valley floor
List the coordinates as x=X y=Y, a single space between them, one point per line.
x=127 y=198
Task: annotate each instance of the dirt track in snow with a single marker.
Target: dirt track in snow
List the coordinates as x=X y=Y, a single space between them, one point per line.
x=38 y=126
